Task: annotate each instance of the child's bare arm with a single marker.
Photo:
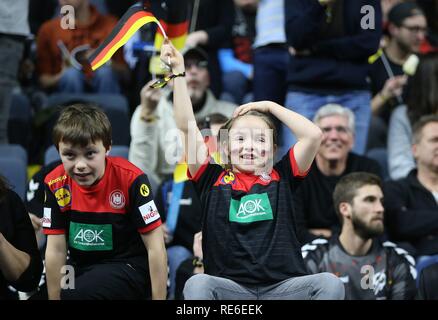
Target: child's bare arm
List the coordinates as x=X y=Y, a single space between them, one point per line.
x=308 y=134
x=194 y=146
x=157 y=258
x=56 y=256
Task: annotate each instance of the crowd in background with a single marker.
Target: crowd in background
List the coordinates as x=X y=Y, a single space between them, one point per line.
x=364 y=71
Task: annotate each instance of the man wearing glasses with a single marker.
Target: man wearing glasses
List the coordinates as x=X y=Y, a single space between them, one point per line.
x=152 y=122
x=407 y=28
x=313 y=201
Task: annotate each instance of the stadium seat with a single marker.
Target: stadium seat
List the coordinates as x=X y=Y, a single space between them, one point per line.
x=381 y=156
x=19 y=122
x=13 y=151
x=51 y=155
x=114 y=105
x=119 y=151
x=13 y=168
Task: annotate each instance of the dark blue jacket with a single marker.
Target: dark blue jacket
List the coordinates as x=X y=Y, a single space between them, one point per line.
x=334 y=64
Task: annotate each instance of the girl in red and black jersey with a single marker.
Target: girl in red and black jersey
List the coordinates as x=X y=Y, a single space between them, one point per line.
x=250 y=233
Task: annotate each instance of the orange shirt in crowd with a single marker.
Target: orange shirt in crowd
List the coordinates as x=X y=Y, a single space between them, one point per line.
x=49 y=56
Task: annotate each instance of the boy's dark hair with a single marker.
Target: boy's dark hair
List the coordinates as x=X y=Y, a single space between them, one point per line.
x=80 y=124
x=417 y=129
x=347 y=186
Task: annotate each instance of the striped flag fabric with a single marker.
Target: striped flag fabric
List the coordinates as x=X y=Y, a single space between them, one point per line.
x=131 y=21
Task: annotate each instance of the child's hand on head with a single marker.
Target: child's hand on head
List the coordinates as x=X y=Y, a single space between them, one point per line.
x=172 y=57
x=262 y=106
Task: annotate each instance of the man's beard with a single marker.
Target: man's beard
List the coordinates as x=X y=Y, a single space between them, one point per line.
x=406 y=49
x=364 y=231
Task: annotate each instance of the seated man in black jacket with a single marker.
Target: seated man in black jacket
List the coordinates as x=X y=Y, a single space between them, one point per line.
x=370 y=269
x=412 y=202
x=20 y=261
x=314 y=200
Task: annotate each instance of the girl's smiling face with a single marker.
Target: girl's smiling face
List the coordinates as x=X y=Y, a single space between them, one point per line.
x=250 y=145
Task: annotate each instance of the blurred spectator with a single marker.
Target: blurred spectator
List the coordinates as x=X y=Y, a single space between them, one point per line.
x=411 y=203
x=430 y=8
x=270 y=52
x=58 y=47
x=386 y=7
x=407 y=28
x=14 y=28
x=334 y=160
x=428 y=288
x=39 y=12
x=118 y=8
x=210 y=28
x=20 y=261
x=370 y=269
x=421 y=99
x=236 y=59
x=152 y=143
x=331 y=41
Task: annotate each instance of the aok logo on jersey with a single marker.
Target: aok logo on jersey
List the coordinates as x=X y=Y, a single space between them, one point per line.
x=63 y=196
x=91 y=237
x=251 y=208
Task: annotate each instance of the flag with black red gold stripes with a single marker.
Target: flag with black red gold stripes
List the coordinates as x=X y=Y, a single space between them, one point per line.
x=131 y=21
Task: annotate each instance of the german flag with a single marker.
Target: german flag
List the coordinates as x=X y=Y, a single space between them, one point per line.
x=175 y=21
x=177 y=33
x=131 y=21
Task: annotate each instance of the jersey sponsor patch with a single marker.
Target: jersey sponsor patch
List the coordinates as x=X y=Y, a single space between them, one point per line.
x=228 y=178
x=251 y=208
x=144 y=190
x=62 y=178
x=91 y=237
x=63 y=196
x=149 y=212
x=46 y=220
x=117 y=199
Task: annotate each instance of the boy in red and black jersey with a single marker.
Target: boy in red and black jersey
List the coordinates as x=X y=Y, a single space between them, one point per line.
x=102 y=210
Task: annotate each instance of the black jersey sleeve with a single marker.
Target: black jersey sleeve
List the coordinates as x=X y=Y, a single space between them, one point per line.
x=313 y=254
x=206 y=176
x=288 y=167
x=144 y=212
x=402 y=273
x=34 y=200
x=54 y=221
